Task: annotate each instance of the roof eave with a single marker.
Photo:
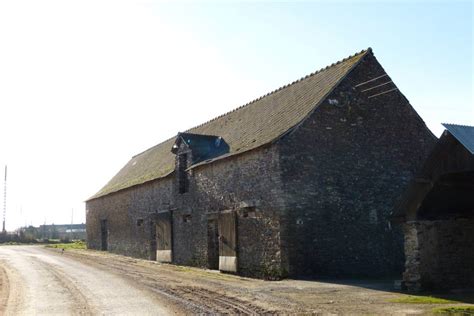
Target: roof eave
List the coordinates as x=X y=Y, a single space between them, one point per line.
x=98 y=196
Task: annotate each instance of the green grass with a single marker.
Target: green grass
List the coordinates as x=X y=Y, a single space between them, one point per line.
x=411 y=299
x=72 y=245
x=455 y=310
x=12 y=243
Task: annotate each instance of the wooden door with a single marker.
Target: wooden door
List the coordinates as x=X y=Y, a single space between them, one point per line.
x=227 y=242
x=212 y=244
x=164 y=237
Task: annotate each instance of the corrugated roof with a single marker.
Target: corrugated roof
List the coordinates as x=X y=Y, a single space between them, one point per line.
x=463 y=133
x=245 y=128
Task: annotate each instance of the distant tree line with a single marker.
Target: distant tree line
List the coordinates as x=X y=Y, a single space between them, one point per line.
x=45 y=233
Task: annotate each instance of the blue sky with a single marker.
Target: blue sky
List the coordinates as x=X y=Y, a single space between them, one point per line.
x=425 y=46
x=85 y=85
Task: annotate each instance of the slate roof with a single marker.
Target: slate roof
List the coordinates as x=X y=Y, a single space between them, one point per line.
x=250 y=126
x=463 y=133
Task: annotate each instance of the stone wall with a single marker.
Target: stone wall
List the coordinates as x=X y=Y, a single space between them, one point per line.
x=343 y=170
x=130 y=218
x=440 y=254
x=249 y=184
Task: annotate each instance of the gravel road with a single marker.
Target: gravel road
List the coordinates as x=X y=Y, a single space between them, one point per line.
x=41 y=281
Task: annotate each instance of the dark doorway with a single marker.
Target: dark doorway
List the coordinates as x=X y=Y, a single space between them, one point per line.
x=450 y=197
x=104 y=235
x=227 y=242
x=164 y=237
x=212 y=244
x=152 y=241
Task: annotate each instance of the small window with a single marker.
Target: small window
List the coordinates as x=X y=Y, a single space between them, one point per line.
x=249 y=212
x=140 y=222
x=187 y=218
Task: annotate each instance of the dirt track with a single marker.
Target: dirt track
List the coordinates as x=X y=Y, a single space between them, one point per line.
x=44 y=281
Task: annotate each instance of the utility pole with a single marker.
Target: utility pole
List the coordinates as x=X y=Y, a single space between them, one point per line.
x=4 y=201
x=72 y=223
x=44 y=228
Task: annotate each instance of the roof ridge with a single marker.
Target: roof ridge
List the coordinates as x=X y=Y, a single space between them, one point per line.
x=364 y=51
x=453 y=124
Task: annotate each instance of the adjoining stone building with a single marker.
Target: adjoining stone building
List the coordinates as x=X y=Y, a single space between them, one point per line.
x=298 y=182
x=437 y=215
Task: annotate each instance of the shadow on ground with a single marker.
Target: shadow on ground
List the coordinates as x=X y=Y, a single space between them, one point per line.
x=393 y=286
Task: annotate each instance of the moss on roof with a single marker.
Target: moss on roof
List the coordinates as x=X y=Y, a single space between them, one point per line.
x=245 y=128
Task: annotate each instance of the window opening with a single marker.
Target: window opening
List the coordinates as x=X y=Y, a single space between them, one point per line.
x=182 y=174
x=187 y=218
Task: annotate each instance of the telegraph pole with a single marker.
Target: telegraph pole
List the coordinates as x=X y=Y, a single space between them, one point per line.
x=72 y=223
x=4 y=200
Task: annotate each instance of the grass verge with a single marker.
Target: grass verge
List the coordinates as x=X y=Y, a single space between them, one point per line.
x=455 y=310
x=411 y=299
x=72 y=245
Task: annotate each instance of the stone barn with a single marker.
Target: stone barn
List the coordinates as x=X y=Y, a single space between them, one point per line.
x=437 y=215
x=300 y=181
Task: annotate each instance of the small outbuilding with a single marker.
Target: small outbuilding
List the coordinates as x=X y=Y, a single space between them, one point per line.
x=437 y=215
